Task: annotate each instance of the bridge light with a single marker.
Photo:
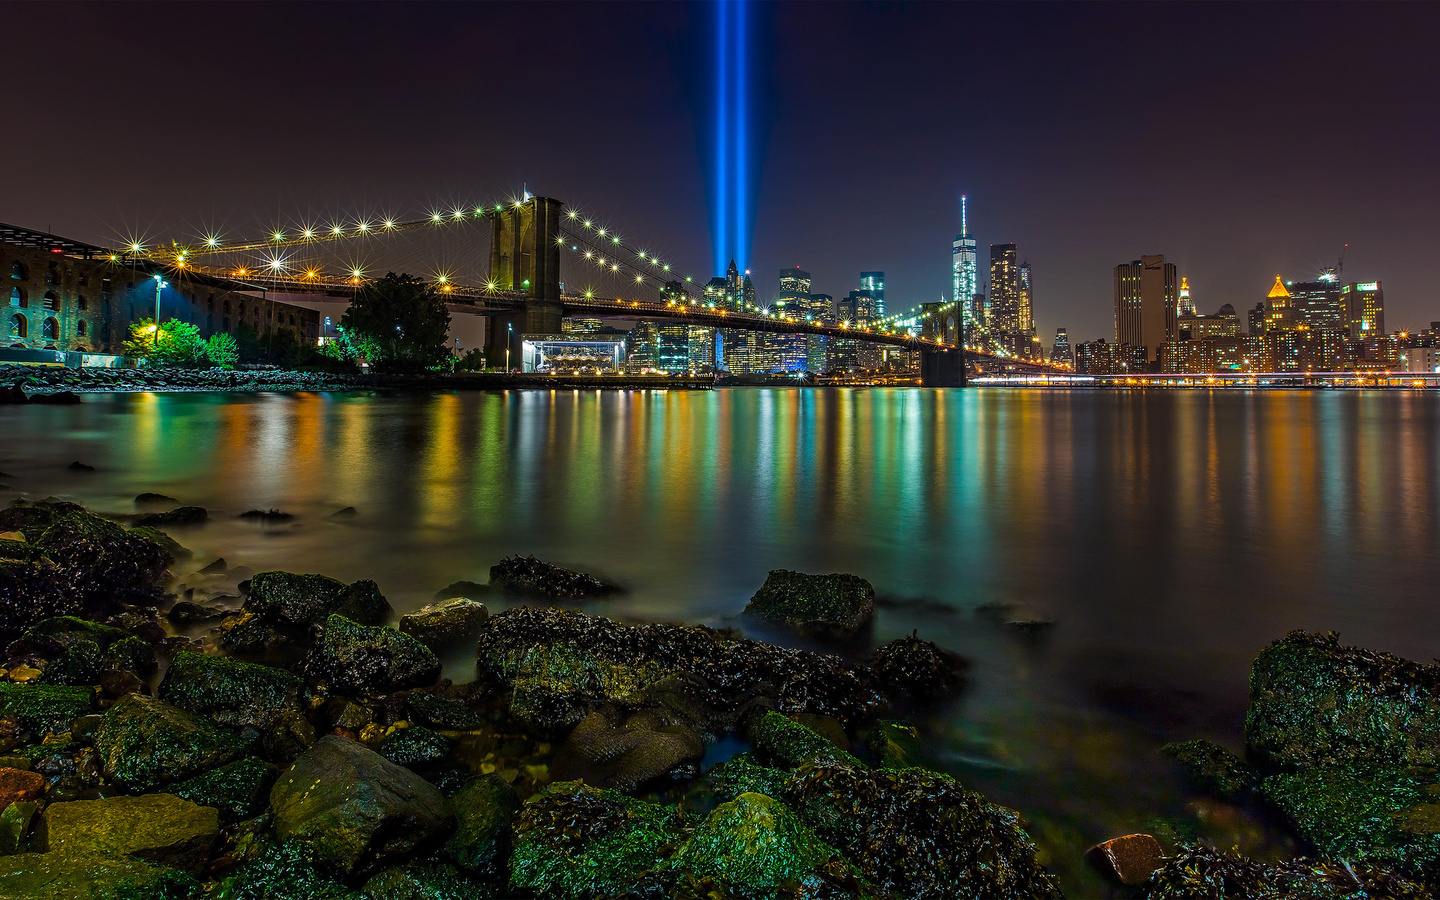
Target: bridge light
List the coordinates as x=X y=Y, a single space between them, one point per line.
x=441 y=278
x=570 y=214
x=389 y=223
x=588 y=254
x=356 y=272
x=211 y=241
x=479 y=210
x=617 y=239
x=602 y=232
x=363 y=226
x=310 y=274
x=587 y=223
x=435 y=217
x=459 y=213
x=337 y=230
x=278 y=236
x=490 y=286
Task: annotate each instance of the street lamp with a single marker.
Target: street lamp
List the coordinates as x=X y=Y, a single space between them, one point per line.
x=509 y=339
x=159 y=283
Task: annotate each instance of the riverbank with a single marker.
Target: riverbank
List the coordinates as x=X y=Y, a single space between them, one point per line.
x=44 y=381
x=284 y=740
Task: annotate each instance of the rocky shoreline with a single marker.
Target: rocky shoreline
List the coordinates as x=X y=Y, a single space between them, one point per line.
x=289 y=742
x=57 y=384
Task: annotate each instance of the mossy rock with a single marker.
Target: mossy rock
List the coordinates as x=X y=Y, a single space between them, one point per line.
x=68 y=631
x=753 y=846
x=239 y=790
x=788 y=743
x=438 y=712
x=416 y=746
x=1314 y=702
x=527 y=576
x=45 y=709
x=485 y=810
x=894 y=745
x=78 y=665
x=836 y=604
x=364 y=659
x=283 y=870
x=738 y=775
x=1214 y=769
x=428 y=880
x=1386 y=814
x=15 y=825
x=232 y=692
x=159 y=828
x=144 y=743
x=63 y=876
x=1196 y=871
x=291 y=599
x=574 y=842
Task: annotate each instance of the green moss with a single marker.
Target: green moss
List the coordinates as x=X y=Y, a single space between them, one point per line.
x=753 y=845
x=893 y=744
x=145 y=742
x=788 y=743
x=282 y=871
x=1197 y=872
x=159 y=828
x=576 y=841
x=414 y=746
x=741 y=774
x=71 y=630
x=79 y=665
x=239 y=790
x=485 y=809
x=45 y=709
x=426 y=880
x=368 y=659
x=836 y=602
x=1214 y=769
x=1383 y=813
x=61 y=876
x=230 y=691
x=14 y=825
x=292 y=599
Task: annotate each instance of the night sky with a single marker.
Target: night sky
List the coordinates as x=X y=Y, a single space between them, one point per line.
x=1240 y=140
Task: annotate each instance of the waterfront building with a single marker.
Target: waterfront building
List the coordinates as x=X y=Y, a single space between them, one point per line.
x=1279 y=315
x=1004 y=314
x=1421 y=359
x=1193 y=327
x=1146 y=303
x=788 y=352
x=1364 y=309
x=580 y=325
x=575 y=353
x=1100 y=358
x=1319 y=305
x=1027 y=314
x=821 y=308
x=1256 y=318
x=964 y=272
x=1060 y=354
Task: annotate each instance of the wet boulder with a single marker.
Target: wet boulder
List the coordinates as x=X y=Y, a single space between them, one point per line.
x=145 y=742
x=1214 y=769
x=1314 y=702
x=15 y=822
x=527 y=576
x=30 y=588
x=180 y=515
x=238 y=790
x=63 y=876
x=916 y=669
x=159 y=828
x=894 y=745
x=283 y=870
x=609 y=749
x=575 y=842
x=1196 y=871
x=44 y=709
x=427 y=880
x=835 y=605
x=353 y=810
x=755 y=847
x=786 y=743
x=371 y=660
x=561 y=664
x=441 y=712
x=1128 y=859
x=18 y=786
x=415 y=747
x=740 y=774
x=446 y=624
x=238 y=694
x=485 y=809
x=303 y=600
x=919 y=834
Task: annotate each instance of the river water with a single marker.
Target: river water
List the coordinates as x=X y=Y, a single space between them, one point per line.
x=1168 y=536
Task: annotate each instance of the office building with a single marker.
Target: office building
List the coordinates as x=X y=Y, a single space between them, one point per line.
x=1318 y=305
x=787 y=352
x=873 y=283
x=1187 y=306
x=817 y=346
x=1146 y=303
x=964 y=271
x=1256 y=318
x=1279 y=314
x=1060 y=354
x=1004 y=314
x=1364 y=309
x=1194 y=327
x=1100 y=358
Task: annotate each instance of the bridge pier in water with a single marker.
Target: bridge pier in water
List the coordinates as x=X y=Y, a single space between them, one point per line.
x=525 y=257
x=942 y=368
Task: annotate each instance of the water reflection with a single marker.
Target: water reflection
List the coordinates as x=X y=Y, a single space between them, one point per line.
x=1169 y=535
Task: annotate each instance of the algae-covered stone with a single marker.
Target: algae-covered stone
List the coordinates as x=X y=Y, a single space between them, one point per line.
x=439 y=712
x=1196 y=872
x=531 y=577
x=282 y=872
x=233 y=692
x=836 y=604
x=366 y=659
x=78 y=665
x=67 y=631
x=15 y=824
x=919 y=834
x=1214 y=769
x=354 y=810
x=45 y=709
x=917 y=669
x=752 y=846
x=291 y=599
x=158 y=828
x=414 y=746
x=1386 y=814
x=574 y=842
x=894 y=745
x=445 y=624
x=740 y=775
x=61 y=876
x=1314 y=702
x=788 y=743
x=609 y=749
x=485 y=809
x=145 y=742
x=238 y=790
x=427 y=880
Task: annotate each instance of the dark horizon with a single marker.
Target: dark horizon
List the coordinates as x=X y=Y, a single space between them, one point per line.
x=1241 y=141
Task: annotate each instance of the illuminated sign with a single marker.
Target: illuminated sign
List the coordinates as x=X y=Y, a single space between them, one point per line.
x=1369 y=286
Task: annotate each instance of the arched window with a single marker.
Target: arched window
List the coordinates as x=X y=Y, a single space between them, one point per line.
x=18 y=326
x=81 y=303
x=52 y=274
x=49 y=329
x=18 y=271
x=81 y=329
x=50 y=301
x=17 y=298
x=226 y=306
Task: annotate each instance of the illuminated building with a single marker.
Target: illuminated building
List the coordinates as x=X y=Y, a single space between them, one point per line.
x=1146 y=303
x=817 y=346
x=1100 y=358
x=1027 y=313
x=580 y=325
x=1364 y=309
x=1319 y=305
x=573 y=353
x=1256 y=318
x=787 y=352
x=1060 y=354
x=1279 y=315
x=1004 y=289
x=964 y=272
x=873 y=283
x=1187 y=306
x=1421 y=359
x=1194 y=327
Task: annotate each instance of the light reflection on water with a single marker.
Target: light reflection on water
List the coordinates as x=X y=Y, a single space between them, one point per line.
x=1168 y=535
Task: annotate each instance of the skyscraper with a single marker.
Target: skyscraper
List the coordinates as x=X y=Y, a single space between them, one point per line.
x=1319 y=305
x=1027 y=315
x=964 y=270
x=1060 y=350
x=1364 y=309
x=873 y=283
x=787 y=352
x=1146 y=303
x=1004 y=288
x=1187 y=306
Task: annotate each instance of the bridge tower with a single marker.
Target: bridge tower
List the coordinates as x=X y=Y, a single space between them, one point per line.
x=525 y=257
x=941 y=368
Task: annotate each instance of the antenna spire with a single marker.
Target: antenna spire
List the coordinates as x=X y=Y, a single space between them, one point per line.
x=964 y=228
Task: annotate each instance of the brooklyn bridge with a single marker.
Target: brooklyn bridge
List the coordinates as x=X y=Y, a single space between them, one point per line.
x=532 y=242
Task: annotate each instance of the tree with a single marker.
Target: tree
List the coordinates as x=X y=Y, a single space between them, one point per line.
x=401 y=321
x=174 y=344
x=222 y=350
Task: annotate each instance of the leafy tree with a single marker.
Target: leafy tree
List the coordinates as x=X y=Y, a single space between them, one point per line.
x=222 y=350
x=473 y=361
x=401 y=322
x=174 y=344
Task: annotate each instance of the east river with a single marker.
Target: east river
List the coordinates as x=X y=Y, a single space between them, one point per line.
x=1166 y=536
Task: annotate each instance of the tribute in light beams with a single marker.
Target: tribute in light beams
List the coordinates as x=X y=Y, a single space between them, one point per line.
x=731 y=216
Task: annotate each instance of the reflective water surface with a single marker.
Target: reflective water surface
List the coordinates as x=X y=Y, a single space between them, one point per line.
x=1168 y=536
